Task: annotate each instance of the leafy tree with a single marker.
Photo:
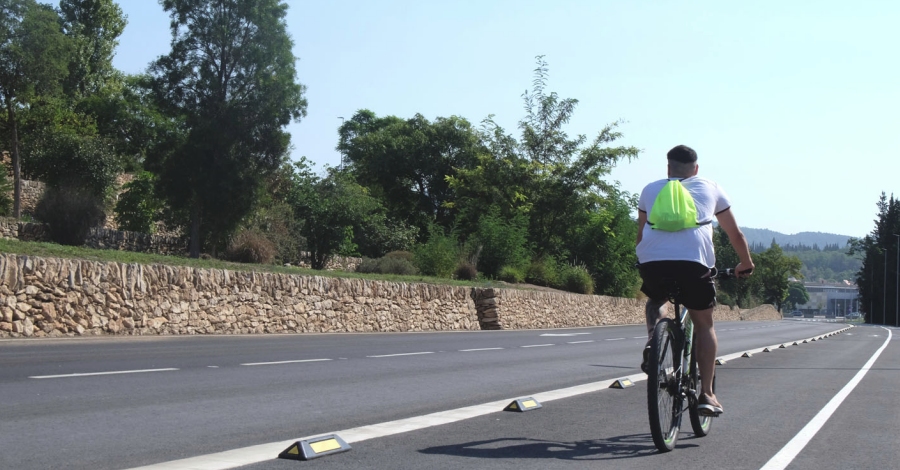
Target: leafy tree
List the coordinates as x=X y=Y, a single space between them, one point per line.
x=138 y=209
x=501 y=243
x=94 y=27
x=797 y=295
x=406 y=162
x=770 y=278
x=332 y=211
x=33 y=52
x=230 y=77
x=740 y=291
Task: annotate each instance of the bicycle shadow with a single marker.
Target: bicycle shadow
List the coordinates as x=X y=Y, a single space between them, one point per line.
x=614 y=448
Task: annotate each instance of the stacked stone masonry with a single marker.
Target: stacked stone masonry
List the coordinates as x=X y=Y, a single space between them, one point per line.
x=48 y=297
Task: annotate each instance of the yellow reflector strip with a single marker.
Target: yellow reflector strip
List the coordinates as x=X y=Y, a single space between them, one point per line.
x=324 y=446
x=529 y=403
x=294 y=450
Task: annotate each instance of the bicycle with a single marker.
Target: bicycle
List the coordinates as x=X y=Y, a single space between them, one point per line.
x=670 y=382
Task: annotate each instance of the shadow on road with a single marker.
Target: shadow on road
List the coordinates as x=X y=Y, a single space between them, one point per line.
x=622 y=447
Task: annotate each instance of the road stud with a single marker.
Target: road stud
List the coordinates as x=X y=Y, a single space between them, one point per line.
x=308 y=449
x=782 y=346
x=766 y=350
x=523 y=404
x=622 y=383
x=747 y=354
x=721 y=362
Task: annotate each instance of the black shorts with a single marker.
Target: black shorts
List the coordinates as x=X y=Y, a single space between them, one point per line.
x=696 y=289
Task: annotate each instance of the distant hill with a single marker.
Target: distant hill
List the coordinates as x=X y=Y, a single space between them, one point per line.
x=765 y=236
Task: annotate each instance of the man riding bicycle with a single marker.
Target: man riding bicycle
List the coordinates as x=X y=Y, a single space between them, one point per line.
x=675 y=242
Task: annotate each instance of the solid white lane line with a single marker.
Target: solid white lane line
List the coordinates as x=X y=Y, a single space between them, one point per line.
x=283 y=362
x=535 y=345
x=404 y=354
x=88 y=374
x=786 y=455
x=479 y=349
x=579 y=342
x=263 y=452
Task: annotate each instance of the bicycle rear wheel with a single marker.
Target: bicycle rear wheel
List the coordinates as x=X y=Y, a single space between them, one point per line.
x=664 y=399
x=699 y=423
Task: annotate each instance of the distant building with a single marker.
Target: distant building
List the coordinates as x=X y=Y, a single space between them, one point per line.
x=831 y=299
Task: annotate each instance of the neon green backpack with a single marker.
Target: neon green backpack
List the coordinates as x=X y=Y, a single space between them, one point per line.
x=673 y=209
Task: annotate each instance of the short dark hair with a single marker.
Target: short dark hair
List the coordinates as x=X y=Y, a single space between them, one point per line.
x=682 y=154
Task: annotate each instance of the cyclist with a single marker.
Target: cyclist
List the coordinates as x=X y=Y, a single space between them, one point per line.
x=683 y=251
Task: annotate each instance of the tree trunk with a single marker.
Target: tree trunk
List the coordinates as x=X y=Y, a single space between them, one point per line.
x=17 y=173
x=195 y=230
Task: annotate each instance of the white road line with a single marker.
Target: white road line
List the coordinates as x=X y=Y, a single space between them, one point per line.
x=536 y=345
x=786 y=455
x=263 y=452
x=638 y=337
x=98 y=373
x=283 y=362
x=404 y=354
x=564 y=334
x=579 y=342
x=614 y=339
x=479 y=349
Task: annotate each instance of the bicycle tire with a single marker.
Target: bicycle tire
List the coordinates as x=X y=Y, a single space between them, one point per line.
x=700 y=424
x=664 y=399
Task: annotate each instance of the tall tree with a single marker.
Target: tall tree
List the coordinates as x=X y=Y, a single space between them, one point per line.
x=877 y=279
x=231 y=77
x=771 y=277
x=33 y=52
x=94 y=27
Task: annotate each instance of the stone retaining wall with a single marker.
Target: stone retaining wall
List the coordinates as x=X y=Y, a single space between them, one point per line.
x=42 y=297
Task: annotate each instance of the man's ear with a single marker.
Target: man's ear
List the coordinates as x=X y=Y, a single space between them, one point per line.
x=696 y=169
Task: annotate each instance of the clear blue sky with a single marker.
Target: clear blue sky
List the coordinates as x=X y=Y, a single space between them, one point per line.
x=791 y=106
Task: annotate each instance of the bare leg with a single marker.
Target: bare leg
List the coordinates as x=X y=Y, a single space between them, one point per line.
x=706 y=345
x=654 y=310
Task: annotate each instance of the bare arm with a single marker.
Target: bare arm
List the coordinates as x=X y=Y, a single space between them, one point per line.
x=642 y=220
x=738 y=241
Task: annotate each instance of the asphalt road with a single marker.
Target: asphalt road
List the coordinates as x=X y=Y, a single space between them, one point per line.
x=130 y=402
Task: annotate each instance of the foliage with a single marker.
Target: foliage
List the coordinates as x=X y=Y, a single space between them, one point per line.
x=797 y=295
x=93 y=27
x=70 y=212
x=231 y=77
x=6 y=189
x=251 y=246
x=511 y=274
x=438 y=256
x=577 y=279
x=543 y=271
x=465 y=271
x=406 y=163
x=501 y=242
x=138 y=208
x=878 y=277
x=735 y=291
x=387 y=265
x=72 y=160
x=33 y=53
x=336 y=215
x=770 y=278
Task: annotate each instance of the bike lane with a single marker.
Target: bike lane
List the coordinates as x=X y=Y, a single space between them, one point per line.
x=863 y=431
x=768 y=398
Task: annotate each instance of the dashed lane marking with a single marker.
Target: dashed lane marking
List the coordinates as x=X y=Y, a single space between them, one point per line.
x=404 y=354
x=88 y=374
x=536 y=345
x=479 y=349
x=283 y=362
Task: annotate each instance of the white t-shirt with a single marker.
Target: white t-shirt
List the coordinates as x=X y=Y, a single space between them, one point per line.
x=693 y=244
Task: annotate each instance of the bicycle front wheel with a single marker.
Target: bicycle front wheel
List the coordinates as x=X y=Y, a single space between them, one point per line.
x=664 y=385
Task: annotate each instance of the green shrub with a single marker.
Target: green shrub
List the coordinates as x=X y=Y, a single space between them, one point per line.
x=404 y=255
x=387 y=265
x=71 y=213
x=543 y=271
x=511 y=274
x=251 y=246
x=138 y=208
x=438 y=256
x=502 y=242
x=466 y=271
x=577 y=279
x=6 y=192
